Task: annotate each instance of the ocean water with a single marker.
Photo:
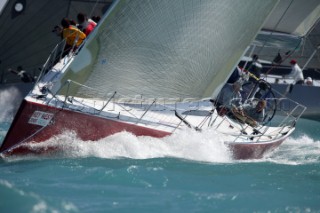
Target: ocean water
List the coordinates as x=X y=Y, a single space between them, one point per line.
x=185 y=172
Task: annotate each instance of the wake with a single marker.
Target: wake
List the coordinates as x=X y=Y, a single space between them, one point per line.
x=297 y=151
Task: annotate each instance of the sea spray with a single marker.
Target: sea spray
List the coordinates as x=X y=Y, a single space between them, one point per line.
x=206 y=146
x=296 y=151
x=8 y=107
x=8 y=104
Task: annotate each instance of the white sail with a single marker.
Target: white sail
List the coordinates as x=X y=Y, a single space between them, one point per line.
x=295 y=17
x=166 y=48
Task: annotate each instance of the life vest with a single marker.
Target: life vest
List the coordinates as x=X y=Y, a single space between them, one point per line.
x=71 y=34
x=87 y=26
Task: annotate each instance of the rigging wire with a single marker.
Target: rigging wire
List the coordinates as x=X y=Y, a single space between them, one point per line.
x=289 y=53
x=93 y=8
x=275 y=27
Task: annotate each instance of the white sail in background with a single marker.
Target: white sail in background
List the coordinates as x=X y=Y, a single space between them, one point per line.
x=168 y=48
x=295 y=17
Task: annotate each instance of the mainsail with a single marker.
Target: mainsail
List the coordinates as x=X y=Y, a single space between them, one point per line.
x=167 y=49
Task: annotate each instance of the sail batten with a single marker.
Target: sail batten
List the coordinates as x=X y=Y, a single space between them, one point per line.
x=168 y=49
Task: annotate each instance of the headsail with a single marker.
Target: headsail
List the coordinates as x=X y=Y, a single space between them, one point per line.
x=170 y=49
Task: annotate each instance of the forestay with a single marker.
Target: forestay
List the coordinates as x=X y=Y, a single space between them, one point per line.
x=169 y=49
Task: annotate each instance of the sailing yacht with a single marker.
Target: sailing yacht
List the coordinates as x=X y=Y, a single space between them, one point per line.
x=138 y=70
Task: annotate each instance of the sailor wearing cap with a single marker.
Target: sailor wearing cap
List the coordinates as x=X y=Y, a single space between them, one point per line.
x=296 y=72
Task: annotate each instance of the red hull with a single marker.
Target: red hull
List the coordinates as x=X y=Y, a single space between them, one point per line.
x=86 y=126
x=90 y=127
x=242 y=151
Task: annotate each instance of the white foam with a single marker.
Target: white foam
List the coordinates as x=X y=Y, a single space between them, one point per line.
x=207 y=146
x=190 y=145
x=297 y=151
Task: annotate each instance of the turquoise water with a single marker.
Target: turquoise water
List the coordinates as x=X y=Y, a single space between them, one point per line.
x=185 y=172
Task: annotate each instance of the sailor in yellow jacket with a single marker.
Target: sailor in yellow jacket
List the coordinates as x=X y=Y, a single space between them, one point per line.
x=74 y=36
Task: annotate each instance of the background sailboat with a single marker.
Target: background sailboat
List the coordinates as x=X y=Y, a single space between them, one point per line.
x=26 y=38
x=293 y=31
